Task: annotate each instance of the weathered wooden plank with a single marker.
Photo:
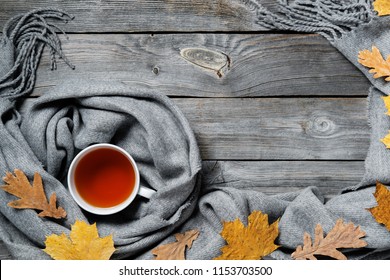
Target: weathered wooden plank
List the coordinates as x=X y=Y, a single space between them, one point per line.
x=213 y=65
x=274 y=177
x=278 y=128
x=151 y=15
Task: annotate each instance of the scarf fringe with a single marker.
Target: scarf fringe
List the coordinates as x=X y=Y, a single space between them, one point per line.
x=330 y=18
x=29 y=33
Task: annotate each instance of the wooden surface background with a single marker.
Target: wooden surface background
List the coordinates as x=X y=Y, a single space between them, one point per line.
x=272 y=111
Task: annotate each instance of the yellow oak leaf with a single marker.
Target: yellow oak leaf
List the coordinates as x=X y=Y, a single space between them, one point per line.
x=340 y=236
x=386 y=140
x=84 y=244
x=381 y=212
x=176 y=250
x=374 y=60
x=249 y=243
x=382 y=7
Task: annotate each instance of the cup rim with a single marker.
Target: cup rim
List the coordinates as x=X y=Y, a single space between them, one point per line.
x=85 y=205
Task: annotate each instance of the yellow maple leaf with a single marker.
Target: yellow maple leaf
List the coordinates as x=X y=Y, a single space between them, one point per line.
x=84 y=244
x=386 y=140
x=382 y=7
x=381 y=212
x=386 y=100
x=374 y=60
x=249 y=243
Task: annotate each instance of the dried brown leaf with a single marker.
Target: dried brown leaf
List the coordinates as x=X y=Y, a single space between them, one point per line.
x=176 y=250
x=31 y=196
x=381 y=212
x=374 y=60
x=249 y=243
x=341 y=236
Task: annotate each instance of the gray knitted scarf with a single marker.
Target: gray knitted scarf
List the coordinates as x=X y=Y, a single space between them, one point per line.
x=77 y=113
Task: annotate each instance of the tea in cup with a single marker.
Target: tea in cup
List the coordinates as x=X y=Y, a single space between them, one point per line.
x=104 y=179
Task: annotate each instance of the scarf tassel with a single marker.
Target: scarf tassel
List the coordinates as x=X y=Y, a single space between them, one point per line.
x=28 y=34
x=330 y=18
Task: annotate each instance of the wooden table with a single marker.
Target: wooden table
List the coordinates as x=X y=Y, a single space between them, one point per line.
x=272 y=111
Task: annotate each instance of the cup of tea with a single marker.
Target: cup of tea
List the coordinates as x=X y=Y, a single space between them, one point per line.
x=104 y=179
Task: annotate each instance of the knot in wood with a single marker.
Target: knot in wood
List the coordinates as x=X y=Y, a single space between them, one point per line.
x=155 y=70
x=209 y=60
x=320 y=126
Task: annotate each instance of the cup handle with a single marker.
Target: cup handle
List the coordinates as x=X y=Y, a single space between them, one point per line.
x=146 y=192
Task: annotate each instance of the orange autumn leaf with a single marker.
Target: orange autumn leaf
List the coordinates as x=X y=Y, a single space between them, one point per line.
x=31 y=196
x=176 y=250
x=340 y=236
x=249 y=243
x=382 y=7
x=84 y=244
x=374 y=60
x=381 y=212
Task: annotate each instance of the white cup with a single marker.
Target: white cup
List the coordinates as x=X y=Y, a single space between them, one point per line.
x=137 y=189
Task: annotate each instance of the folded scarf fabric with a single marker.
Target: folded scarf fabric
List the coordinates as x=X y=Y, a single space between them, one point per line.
x=77 y=113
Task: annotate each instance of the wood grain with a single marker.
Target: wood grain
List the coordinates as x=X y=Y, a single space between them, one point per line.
x=255 y=66
x=146 y=16
x=274 y=177
x=277 y=128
